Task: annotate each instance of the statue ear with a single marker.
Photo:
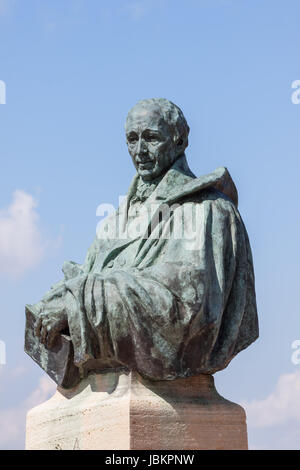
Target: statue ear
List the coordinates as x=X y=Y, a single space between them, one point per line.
x=181 y=144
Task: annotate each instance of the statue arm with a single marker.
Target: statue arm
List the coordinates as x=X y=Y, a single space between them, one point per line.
x=171 y=312
x=71 y=270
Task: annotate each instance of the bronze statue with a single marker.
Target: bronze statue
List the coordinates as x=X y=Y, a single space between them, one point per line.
x=155 y=294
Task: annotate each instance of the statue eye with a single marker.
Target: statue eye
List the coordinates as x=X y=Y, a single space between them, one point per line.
x=151 y=138
x=132 y=138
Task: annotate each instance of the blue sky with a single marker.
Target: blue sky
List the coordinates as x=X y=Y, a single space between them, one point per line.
x=73 y=69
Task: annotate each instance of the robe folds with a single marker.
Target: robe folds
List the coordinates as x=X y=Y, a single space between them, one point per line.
x=169 y=293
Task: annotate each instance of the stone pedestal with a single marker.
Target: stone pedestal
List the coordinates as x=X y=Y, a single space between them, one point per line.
x=116 y=411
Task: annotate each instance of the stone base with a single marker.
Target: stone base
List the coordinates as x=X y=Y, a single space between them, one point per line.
x=115 y=411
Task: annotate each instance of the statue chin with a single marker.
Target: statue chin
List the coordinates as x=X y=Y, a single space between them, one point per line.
x=146 y=175
x=153 y=174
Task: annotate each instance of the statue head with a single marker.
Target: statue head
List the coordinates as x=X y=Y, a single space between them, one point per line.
x=156 y=134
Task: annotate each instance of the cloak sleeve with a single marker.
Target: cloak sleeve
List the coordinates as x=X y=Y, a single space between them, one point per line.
x=178 y=309
x=70 y=270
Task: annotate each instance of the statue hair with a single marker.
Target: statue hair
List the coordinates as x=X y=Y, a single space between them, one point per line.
x=172 y=115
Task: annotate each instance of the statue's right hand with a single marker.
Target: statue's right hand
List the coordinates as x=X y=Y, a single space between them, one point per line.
x=48 y=326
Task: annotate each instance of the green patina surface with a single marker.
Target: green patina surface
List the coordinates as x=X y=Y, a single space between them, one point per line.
x=167 y=287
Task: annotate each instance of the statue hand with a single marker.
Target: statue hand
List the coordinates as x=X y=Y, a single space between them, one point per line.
x=49 y=325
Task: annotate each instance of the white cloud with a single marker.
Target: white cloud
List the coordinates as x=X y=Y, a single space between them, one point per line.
x=21 y=246
x=13 y=420
x=280 y=407
x=44 y=390
x=11 y=374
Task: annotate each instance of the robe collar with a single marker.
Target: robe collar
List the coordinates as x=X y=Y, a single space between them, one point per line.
x=176 y=184
x=179 y=181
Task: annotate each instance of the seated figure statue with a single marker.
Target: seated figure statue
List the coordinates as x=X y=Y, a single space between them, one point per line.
x=167 y=287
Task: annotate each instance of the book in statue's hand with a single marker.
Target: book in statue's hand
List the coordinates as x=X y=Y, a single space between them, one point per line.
x=57 y=361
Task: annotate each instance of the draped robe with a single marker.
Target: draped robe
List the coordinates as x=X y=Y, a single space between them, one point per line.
x=168 y=295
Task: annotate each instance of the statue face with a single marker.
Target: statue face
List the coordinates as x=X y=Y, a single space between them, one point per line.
x=150 y=142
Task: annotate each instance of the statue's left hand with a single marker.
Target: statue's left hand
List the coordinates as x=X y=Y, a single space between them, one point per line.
x=49 y=325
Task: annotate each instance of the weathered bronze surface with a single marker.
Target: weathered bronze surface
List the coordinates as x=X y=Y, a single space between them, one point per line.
x=167 y=287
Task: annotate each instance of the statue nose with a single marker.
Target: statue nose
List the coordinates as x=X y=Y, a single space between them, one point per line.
x=141 y=148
